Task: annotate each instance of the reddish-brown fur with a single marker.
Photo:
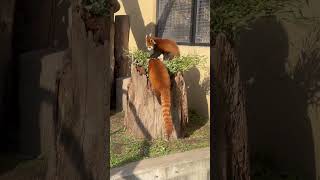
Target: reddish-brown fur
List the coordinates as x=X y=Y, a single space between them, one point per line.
x=160 y=84
x=163 y=46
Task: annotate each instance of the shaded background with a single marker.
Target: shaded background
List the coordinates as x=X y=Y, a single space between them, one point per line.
x=38 y=25
x=283 y=122
x=277 y=109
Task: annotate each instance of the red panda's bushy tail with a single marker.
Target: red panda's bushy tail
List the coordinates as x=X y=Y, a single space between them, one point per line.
x=166 y=111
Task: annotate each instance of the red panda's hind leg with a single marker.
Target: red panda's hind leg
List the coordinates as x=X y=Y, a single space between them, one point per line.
x=149 y=84
x=157 y=94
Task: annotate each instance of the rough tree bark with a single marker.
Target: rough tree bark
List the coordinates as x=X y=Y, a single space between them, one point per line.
x=229 y=114
x=83 y=105
x=143 y=115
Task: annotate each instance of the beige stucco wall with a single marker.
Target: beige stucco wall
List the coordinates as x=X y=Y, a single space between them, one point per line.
x=142 y=21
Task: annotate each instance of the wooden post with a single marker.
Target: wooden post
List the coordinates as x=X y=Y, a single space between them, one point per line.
x=83 y=104
x=143 y=115
x=122 y=28
x=112 y=64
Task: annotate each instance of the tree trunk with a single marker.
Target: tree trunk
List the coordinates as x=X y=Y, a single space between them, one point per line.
x=122 y=29
x=230 y=118
x=143 y=115
x=83 y=105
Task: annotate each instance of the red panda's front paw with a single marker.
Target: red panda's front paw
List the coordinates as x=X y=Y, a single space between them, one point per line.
x=167 y=138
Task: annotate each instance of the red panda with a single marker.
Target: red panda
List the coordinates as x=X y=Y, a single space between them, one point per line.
x=167 y=47
x=160 y=84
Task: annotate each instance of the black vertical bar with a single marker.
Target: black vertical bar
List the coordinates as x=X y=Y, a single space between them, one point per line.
x=194 y=21
x=51 y=35
x=157 y=16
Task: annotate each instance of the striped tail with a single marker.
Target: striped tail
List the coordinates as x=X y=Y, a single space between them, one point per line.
x=166 y=111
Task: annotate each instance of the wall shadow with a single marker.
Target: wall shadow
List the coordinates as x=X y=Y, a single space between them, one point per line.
x=197 y=94
x=132 y=8
x=145 y=147
x=137 y=24
x=36 y=102
x=278 y=124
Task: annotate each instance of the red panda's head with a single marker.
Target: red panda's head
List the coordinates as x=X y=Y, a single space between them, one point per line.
x=150 y=42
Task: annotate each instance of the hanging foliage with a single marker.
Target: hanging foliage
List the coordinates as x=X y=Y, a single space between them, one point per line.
x=101 y=7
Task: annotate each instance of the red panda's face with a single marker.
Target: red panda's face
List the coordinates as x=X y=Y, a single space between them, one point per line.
x=149 y=42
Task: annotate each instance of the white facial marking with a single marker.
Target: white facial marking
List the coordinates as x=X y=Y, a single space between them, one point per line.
x=150 y=48
x=161 y=57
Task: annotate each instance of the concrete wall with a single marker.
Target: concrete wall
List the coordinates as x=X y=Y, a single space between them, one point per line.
x=193 y=164
x=38 y=73
x=142 y=20
x=283 y=124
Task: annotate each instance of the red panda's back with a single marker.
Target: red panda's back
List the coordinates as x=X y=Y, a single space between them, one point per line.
x=158 y=74
x=160 y=82
x=168 y=46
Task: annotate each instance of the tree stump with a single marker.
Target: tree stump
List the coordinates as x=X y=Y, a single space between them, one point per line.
x=143 y=114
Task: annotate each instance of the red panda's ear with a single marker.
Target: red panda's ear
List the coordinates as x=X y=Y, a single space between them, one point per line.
x=150 y=34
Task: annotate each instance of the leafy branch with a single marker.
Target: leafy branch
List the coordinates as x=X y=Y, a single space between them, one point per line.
x=178 y=64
